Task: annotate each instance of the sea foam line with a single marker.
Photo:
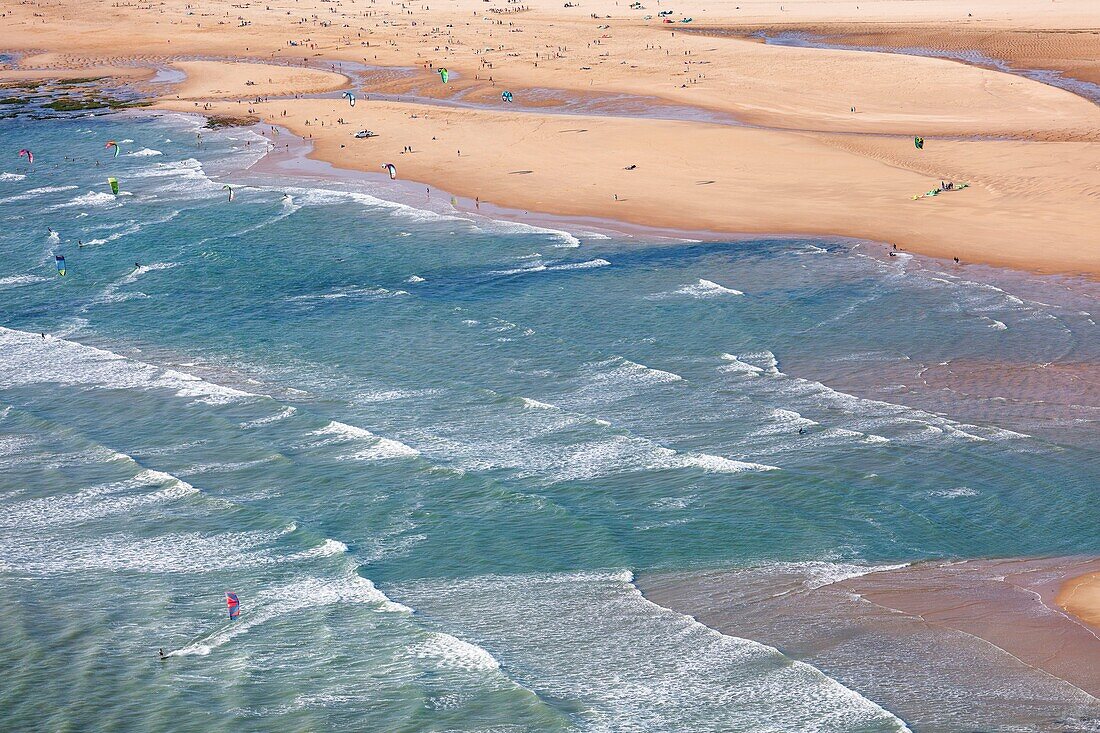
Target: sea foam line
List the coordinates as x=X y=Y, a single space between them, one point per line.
x=379 y=448
x=855 y=699
x=31 y=359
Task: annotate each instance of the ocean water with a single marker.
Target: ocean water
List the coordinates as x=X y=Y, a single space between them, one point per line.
x=429 y=450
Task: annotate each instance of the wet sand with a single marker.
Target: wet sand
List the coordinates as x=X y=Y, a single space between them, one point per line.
x=948 y=646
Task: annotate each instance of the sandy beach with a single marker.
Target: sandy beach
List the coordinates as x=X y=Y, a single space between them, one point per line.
x=1081 y=597
x=806 y=140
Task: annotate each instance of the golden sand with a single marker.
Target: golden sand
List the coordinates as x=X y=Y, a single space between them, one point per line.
x=1081 y=597
x=803 y=162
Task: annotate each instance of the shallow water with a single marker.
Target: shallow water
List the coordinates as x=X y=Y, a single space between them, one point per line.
x=428 y=449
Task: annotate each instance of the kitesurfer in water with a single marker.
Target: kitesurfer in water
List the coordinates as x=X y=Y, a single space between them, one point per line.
x=161 y=653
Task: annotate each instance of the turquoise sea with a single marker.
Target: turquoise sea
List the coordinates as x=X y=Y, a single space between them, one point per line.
x=430 y=450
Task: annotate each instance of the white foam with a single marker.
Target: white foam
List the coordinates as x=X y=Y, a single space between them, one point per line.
x=349 y=292
x=379 y=448
x=866 y=413
x=521 y=270
x=565 y=239
x=301 y=594
x=954 y=493
x=325 y=196
x=280 y=415
x=621 y=369
x=592 y=637
x=30 y=359
x=328 y=548
x=144 y=153
x=111 y=294
x=132 y=227
x=230 y=466
x=189 y=168
x=143 y=269
x=96 y=502
x=11 y=176
x=414 y=279
x=718 y=464
x=736 y=365
x=672 y=502
x=820 y=573
x=701 y=289
x=36 y=192
x=18 y=280
x=91 y=198
x=391 y=395
x=536 y=405
x=598 y=262
x=451 y=652
x=767 y=358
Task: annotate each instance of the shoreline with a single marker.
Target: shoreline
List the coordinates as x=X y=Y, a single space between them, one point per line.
x=275 y=163
x=970 y=629
x=654 y=139
x=301 y=164
x=548 y=199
